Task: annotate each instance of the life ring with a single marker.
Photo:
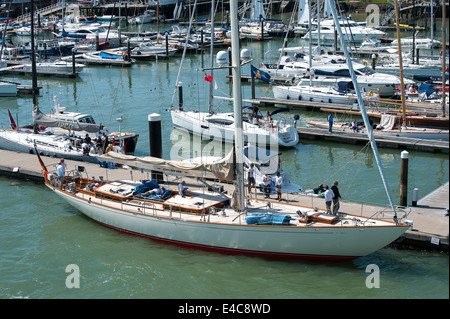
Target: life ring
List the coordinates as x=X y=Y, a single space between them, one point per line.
x=122 y=53
x=370 y=93
x=365 y=63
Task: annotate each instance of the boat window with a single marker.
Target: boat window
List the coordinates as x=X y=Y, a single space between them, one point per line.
x=87 y=119
x=220 y=121
x=366 y=70
x=342 y=72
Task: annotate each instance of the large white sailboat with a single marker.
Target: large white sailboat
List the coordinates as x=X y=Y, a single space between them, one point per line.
x=202 y=220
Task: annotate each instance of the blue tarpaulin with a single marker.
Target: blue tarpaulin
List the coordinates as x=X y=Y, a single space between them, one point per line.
x=145 y=187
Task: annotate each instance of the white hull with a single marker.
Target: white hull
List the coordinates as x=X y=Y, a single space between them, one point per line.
x=385 y=85
x=328 y=35
x=60 y=66
x=196 y=123
x=48 y=145
x=326 y=242
x=312 y=94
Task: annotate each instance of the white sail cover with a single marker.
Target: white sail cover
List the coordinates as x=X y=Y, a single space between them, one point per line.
x=40 y=118
x=303 y=12
x=327 y=9
x=222 y=170
x=257 y=10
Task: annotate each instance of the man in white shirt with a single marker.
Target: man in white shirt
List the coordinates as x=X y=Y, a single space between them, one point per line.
x=278 y=182
x=328 y=198
x=61 y=171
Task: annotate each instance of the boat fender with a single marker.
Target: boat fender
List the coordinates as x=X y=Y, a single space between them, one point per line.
x=329 y=100
x=310 y=99
x=299 y=97
x=287 y=97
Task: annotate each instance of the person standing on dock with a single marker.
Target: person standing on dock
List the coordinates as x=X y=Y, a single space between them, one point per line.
x=336 y=198
x=61 y=171
x=328 y=198
x=251 y=177
x=330 y=123
x=278 y=182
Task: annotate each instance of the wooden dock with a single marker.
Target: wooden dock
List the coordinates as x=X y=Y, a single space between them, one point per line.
x=423 y=145
x=430 y=228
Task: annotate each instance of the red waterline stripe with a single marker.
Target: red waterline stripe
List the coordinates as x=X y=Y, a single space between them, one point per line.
x=230 y=251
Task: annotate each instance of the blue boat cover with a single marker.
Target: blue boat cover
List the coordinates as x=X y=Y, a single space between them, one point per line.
x=267 y=219
x=145 y=187
x=109 y=56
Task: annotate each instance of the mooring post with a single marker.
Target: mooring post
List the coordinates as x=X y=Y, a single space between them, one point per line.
x=404 y=179
x=155 y=138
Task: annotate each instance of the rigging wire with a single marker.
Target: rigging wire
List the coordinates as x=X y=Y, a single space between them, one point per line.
x=184 y=53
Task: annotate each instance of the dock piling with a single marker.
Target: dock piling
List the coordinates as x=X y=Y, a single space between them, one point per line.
x=404 y=179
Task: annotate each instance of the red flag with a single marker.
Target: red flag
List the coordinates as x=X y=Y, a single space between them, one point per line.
x=208 y=77
x=11 y=120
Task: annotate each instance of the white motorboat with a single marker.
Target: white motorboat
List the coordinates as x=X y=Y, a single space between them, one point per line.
x=56 y=65
x=150 y=48
x=329 y=69
x=424 y=70
x=342 y=93
x=56 y=145
x=351 y=30
x=198 y=219
x=74 y=123
x=105 y=56
x=220 y=126
x=418 y=42
x=90 y=33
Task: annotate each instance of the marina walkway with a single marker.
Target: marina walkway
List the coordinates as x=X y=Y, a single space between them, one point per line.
x=423 y=145
x=430 y=228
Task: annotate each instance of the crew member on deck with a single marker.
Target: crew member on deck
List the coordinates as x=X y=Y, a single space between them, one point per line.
x=182 y=189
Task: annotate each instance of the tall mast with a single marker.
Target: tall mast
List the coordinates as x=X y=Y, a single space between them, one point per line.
x=237 y=105
x=400 y=62
x=211 y=93
x=444 y=48
x=310 y=44
x=361 y=102
x=33 y=65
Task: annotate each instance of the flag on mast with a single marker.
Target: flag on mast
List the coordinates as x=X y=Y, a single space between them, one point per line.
x=11 y=120
x=261 y=75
